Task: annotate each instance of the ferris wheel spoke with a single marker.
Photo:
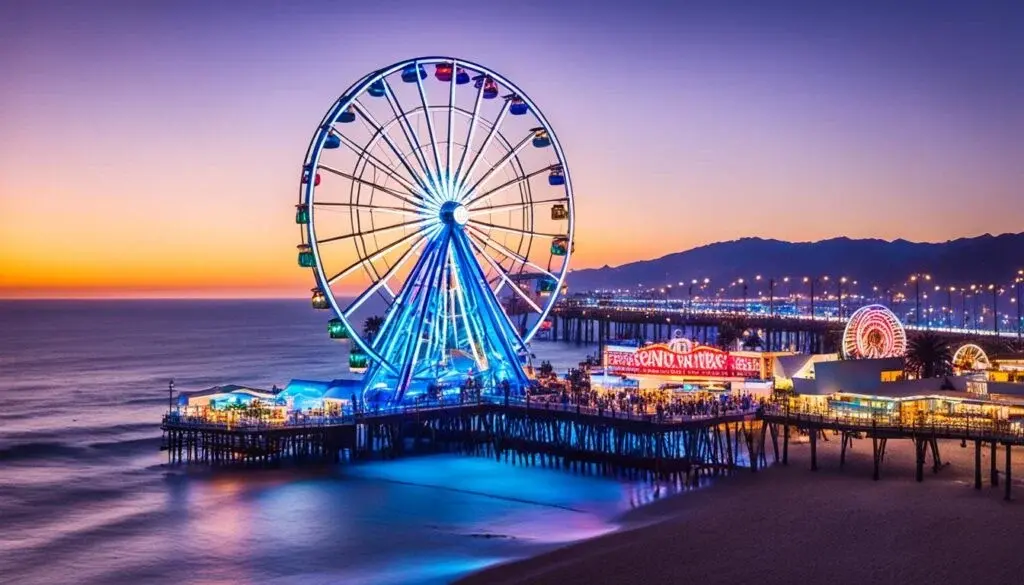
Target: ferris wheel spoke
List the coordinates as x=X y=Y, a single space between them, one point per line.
x=496 y=167
x=464 y=178
x=513 y=230
x=362 y=181
x=380 y=230
x=430 y=125
x=481 y=236
x=410 y=135
x=504 y=277
x=389 y=167
x=469 y=136
x=511 y=182
x=382 y=209
x=451 y=115
x=380 y=165
x=348 y=269
x=508 y=206
x=382 y=281
x=375 y=134
x=421 y=180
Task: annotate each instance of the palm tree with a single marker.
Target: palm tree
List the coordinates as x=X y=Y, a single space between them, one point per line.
x=372 y=326
x=929 y=356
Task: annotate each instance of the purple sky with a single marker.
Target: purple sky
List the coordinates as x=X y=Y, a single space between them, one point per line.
x=138 y=137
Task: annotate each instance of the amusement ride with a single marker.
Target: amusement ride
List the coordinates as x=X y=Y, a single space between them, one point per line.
x=874 y=331
x=436 y=207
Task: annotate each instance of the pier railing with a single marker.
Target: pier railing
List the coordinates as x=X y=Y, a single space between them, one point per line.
x=306 y=421
x=943 y=426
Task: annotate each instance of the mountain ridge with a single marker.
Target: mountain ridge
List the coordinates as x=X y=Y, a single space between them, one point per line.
x=982 y=259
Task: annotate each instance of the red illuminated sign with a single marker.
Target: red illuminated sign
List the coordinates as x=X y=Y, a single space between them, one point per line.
x=660 y=360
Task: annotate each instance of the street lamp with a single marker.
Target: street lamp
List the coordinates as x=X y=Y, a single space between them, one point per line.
x=839 y=297
x=170 y=396
x=812 y=281
x=949 y=303
x=741 y=281
x=916 y=279
x=963 y=307
x=995 y=307
x=1019 y=281
x=975 y=293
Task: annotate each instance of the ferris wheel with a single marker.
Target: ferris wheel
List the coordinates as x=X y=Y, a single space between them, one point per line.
x=872 y=332
x=435 y=204
x=971 y=357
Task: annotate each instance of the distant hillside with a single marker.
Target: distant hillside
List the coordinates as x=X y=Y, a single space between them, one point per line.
x=982 y=259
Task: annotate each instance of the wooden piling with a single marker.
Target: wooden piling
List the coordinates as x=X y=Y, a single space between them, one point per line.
x=993 y=472
x=1008 y=480
x=977 y=464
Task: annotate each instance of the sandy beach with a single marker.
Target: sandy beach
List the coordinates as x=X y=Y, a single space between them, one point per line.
x=792 y=525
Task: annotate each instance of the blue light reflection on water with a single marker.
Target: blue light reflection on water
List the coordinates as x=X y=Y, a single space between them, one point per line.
x=417 y=520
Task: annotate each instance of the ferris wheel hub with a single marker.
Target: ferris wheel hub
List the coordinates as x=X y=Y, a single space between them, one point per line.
x=454 y=213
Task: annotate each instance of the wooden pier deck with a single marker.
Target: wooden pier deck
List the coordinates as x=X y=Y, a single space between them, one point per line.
x=665 y=448
x=566 y=435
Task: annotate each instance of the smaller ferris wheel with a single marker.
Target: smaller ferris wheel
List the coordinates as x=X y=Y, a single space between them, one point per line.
x=873 y=332
x=971 y=357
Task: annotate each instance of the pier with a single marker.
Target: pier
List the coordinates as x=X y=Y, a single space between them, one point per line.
x=601 y=321
x=562 y=435
x=568 y=436
x=879 y=429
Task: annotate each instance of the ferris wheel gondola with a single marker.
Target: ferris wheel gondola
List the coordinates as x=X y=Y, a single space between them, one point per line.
x=425 y=200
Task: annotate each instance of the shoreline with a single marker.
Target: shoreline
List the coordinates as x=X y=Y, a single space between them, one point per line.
x=792 y=525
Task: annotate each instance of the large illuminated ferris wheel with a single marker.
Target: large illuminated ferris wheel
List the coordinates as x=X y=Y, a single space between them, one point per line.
x=435 y=194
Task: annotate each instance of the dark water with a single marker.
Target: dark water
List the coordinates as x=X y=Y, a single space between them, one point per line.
x=84 y=497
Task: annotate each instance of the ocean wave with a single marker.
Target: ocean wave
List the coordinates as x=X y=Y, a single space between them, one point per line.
x=129 y=445
x=53 y=434
x=40 y=450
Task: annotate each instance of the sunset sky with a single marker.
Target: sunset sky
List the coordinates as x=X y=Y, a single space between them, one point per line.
x=153 y=148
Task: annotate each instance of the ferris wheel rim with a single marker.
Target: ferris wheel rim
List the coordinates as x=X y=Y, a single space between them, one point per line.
x=325 y=129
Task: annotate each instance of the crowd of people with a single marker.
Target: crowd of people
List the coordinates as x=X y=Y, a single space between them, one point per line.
x=660 y=403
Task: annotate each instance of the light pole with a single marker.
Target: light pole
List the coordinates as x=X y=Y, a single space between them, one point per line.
x=1018 y=281
x=915 y=279
x=995 y=307
x=170 y=396
x=812 y=281
x=975 y=294
x=949 y=303
x=741 y=281
x=839 y=297
x=963 y=306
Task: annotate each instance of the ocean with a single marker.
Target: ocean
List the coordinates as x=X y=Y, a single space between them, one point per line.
x=86 y=495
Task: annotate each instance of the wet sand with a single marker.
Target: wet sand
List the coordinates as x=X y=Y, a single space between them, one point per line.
x=791 y=525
